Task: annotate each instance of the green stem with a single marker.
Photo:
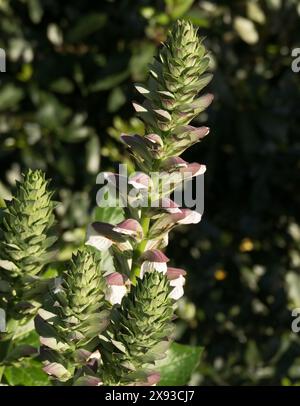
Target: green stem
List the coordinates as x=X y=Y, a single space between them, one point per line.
x=135 y=269
x=145 y=222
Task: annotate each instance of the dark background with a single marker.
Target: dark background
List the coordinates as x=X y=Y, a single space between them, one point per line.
x=66 y=97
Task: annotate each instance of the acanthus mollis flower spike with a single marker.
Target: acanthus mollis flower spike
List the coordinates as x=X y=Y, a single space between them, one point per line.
x=138 y=335
x=27 y=223
x=176 y=77
x=73 y=317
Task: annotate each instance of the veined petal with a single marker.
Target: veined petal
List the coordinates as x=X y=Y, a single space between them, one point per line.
x=57 y=370
x=129 y=227
x=154 y=139
x=174 y=162
x=174 y=273
x=185 y=130
x=155 y=256
x=115 y=279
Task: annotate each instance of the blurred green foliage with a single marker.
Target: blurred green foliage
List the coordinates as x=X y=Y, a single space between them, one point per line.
x=66 y=97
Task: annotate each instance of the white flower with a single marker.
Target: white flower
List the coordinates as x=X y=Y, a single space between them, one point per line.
x=177 y=281
x=102 y=235
x=96 y=240
x=115 y=294
x=154 y=260
x=148 y=266
x=116 y=288
x=178 y=291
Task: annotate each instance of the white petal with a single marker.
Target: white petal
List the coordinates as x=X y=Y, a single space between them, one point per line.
x=160 y=267
x=201 y=170
x=115 y=294
x=193 y=218
x=147 y=266
x=177 y=293
x=124 y=231
x=180 y=281
x=99 y=242
x=173 y=210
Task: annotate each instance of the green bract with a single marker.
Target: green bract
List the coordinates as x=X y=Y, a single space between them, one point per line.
x=140 y=333
x=27 y=221
x=76 y=314
x=176 y=77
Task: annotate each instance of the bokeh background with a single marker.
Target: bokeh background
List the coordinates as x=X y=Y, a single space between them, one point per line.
x=65 y=99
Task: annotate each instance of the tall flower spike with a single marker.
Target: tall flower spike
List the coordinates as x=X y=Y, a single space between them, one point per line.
x=139 y=335
x=27 y=222
x=76 y=313
x=141 y=326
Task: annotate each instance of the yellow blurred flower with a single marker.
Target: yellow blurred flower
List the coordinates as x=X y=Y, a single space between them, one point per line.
x=246 y=245
x=220 y=274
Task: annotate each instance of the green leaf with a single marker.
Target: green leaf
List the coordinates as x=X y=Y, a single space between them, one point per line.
x=10 y=96
x=111 y=214
x=176 y=8
x=62 y=85
x=109 y=81
x=21 y=351
x=35 y=11
x=181 y=360
x=116 y=100
x=86 y=26
x=93 y=154
x=27 y=373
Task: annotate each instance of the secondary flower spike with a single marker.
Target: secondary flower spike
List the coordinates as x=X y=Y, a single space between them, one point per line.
x=27 y=224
